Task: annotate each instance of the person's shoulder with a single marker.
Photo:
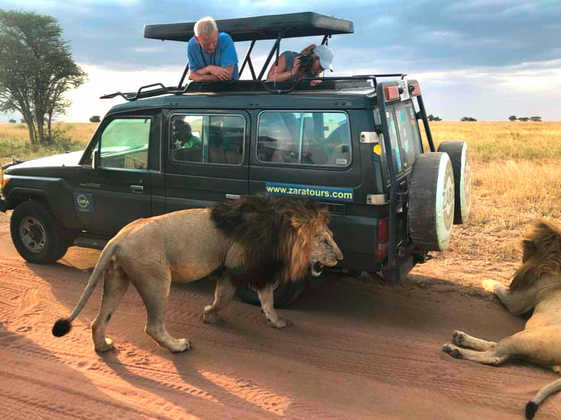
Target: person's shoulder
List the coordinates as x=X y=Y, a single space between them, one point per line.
x=223 y=36
x=192 y=42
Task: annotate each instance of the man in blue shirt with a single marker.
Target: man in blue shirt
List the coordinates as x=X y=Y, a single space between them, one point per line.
x=211 y=54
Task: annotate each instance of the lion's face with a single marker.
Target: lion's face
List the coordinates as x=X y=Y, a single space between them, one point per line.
x=325 y=251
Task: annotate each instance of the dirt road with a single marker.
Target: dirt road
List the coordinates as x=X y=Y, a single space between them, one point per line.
x=356 y=350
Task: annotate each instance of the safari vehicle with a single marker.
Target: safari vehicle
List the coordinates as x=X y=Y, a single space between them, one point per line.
x=353 y=143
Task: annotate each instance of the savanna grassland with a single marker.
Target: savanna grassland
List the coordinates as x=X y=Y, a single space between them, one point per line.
x=516 y=177
x=14 y=140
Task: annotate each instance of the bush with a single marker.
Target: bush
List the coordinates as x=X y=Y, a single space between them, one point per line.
x=512 y=118
x=468 y=119
x=12 y=121
x=95 y=119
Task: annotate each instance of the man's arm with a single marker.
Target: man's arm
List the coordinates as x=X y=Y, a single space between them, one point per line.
x=211 y=73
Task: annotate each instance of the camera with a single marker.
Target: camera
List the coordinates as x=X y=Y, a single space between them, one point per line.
x=306 y=63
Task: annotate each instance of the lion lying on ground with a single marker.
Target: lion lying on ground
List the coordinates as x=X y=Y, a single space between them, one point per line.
x=256 y=240
x=536 y=285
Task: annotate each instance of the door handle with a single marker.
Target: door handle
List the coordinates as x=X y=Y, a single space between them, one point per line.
x=136 y=188
x=90 y=185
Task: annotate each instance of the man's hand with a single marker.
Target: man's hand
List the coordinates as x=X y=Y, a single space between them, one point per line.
x=221 y=73
x=211 y=73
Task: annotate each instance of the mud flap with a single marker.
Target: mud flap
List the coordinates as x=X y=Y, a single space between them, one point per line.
x=393 y=276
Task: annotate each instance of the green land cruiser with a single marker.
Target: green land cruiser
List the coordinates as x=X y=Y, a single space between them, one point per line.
x=353 y=143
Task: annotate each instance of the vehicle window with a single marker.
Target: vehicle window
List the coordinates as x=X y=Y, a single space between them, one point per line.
x=207 y=138
x=309 y=138
x=124 y=144
x=408 y=133
x=396 y=152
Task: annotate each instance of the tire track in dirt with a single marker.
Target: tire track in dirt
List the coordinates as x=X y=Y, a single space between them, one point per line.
x=341 y=359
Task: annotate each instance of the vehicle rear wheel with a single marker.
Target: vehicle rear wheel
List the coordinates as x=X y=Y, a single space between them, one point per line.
x=431 y=201
x=36 y=234
x=284 y=294
x=458 y=152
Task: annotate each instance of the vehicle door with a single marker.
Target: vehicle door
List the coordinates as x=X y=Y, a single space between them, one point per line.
x=310 y=154
x=306 y=154
x=207 y=157
x=118 y=190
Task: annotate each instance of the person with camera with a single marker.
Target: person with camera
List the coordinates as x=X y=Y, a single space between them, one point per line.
x=310 y=62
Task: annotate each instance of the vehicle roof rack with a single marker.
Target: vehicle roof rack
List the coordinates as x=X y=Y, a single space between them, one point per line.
x=368 y=81
x=290 y=25
x=277 y=27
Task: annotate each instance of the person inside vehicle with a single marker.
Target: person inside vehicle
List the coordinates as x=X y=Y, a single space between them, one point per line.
x=211 y=54
x=310 y=62
x=183 y=135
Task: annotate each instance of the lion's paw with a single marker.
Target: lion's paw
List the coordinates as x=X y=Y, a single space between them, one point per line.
x=105 y=347
x=182 y=344
x=209 y=316
x=490 y=285
x=281 y=323
x=459 y=338
x=452 y=350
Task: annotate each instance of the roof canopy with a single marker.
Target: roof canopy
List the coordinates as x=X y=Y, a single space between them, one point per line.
x=289 y=25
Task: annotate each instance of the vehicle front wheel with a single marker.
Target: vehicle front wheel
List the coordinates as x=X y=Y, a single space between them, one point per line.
x=36 y=234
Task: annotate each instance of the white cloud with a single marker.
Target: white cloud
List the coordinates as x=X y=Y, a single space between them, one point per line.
x=524 y=89
x=102 y=81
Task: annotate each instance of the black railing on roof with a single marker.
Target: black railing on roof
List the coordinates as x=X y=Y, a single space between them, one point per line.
x=369 y=81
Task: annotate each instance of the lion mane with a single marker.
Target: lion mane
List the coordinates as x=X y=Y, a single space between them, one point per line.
x=541 y=249
x=275 y=233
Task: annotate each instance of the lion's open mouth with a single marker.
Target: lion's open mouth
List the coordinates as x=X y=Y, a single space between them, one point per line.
x=317 y=269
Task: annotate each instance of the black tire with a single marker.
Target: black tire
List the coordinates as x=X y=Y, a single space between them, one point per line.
x=431 y=201
x=285 y=294
x=458 y=152
x=36 y=234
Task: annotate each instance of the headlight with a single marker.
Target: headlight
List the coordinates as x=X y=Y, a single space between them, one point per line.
x=3 y=180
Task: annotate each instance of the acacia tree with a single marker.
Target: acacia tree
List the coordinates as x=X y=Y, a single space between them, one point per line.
x=36 y=70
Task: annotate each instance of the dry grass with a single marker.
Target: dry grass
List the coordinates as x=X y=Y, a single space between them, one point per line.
x=516 y=178
x=516 y=174
x=14 y=140
x=489 y=141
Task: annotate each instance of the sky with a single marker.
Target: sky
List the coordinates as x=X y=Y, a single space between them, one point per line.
x=486 y=59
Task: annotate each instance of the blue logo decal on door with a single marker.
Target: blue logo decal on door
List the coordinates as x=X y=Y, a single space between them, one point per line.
x=84 y=202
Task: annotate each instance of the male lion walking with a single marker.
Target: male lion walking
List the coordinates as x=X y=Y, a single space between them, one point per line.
x=256 y=240
x=536 y=285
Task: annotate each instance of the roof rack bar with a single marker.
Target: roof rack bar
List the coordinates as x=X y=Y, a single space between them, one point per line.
x=250 y=65
x=276 y=46
x=247 y=57
x=144 y=91
x=183 y=76
x=149 y=86
x=129 y=96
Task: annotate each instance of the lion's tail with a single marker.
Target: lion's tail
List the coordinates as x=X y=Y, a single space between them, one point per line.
x=542 y=394
x=63 y=325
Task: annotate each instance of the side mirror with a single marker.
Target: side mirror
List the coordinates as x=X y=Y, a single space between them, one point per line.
x=96 y=160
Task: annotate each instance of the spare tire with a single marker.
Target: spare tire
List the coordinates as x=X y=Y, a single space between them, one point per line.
x=458 y=152
x=431 y=201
